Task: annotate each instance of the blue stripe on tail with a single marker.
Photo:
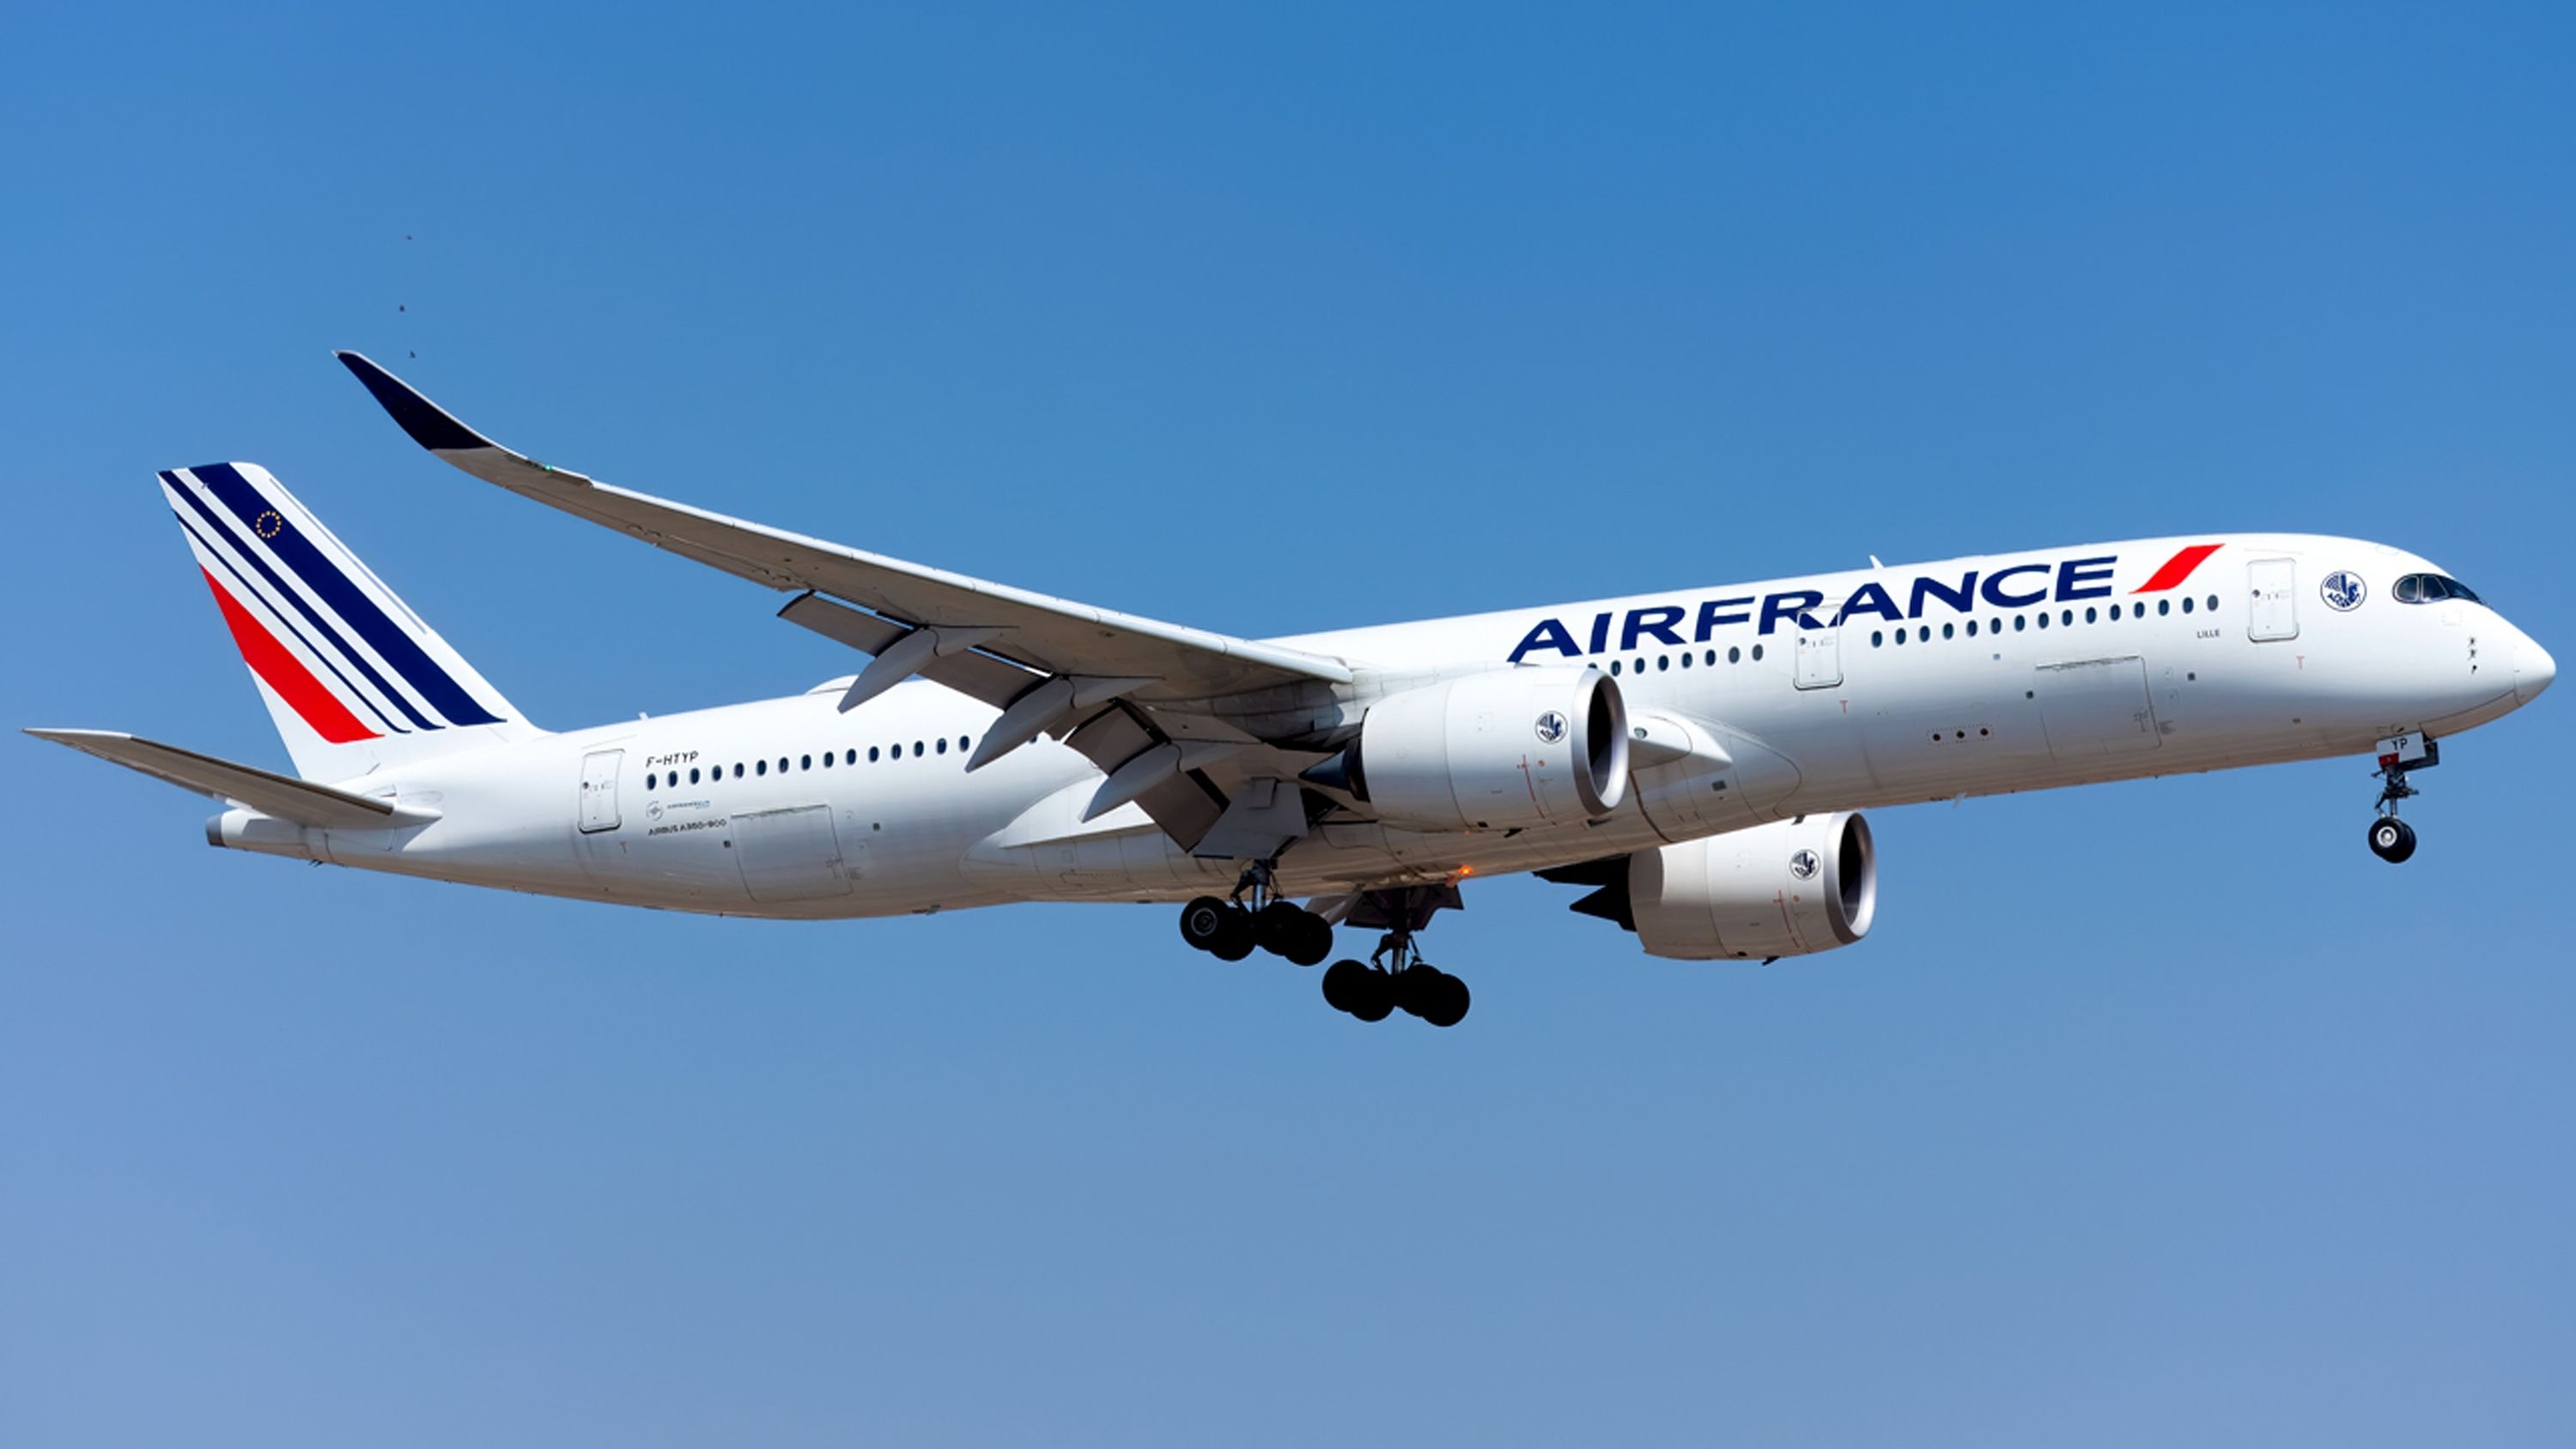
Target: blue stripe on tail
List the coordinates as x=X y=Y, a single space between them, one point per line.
x=387 y=726
x=310 y=564
x=224 y=531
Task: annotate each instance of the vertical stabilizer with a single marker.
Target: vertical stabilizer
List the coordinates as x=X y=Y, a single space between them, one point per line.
x=354 y=679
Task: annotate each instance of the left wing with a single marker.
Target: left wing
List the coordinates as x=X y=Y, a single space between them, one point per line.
x=1150 y=703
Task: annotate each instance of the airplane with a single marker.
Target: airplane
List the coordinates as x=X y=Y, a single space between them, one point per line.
x=1700 y=759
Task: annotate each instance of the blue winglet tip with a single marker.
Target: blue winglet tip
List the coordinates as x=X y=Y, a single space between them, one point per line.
x=427 y=423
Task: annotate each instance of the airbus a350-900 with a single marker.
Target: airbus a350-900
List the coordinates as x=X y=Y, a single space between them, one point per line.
x=1697 y=759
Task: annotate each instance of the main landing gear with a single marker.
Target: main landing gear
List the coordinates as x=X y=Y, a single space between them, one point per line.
x=1230 y=929
x=2392 y=839
x=1396 y=977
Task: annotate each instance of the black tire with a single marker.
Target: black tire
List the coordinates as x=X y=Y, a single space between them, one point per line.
x=1417 y=988
x=1449 y=1002
x=1203 y=922
x=1343 y=986
x=1313 y=941
x=2392 y=839
x=1277 y=927
x=1234 y=940
x=1377 y=997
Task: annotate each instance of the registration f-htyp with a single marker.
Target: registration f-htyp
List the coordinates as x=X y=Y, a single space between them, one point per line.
x=1697 y=759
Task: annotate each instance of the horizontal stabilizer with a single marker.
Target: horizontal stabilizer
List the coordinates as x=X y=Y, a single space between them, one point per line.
x=281 y=796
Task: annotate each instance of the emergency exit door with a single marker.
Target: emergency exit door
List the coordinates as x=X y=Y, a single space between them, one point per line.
x=2273 y=612
x=599 y=790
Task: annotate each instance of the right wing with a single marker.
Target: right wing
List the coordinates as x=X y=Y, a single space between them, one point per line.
x=1050 y=635
x=1150 y=703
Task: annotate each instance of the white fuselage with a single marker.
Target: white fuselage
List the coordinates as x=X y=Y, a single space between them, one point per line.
x=789 y=808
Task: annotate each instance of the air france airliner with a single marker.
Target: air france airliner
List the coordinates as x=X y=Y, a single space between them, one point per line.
x=1698 y=760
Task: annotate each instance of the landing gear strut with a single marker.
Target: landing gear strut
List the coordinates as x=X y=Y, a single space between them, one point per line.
x=2392 y=839
x=1230 y=928
x=1396 y=977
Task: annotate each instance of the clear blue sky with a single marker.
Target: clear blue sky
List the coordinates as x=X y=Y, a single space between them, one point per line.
x=2148 y=1115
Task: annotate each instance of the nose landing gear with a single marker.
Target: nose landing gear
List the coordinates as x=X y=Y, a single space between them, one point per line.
x=2392 y=839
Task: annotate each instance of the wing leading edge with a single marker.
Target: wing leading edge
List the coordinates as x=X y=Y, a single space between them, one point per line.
x=1134 y=695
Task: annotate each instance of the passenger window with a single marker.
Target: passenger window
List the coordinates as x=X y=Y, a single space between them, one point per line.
x=872 y=754
x=650 y=782
x=2186 y=605
x=916 y=749
x=2043 y=621
x=2018 y=622
x=1734 y=653
x=2089 y=615
x=1711 y=660
x=737 y=769
x=2163 y=607
x=760 y=767
x=1757 y=653
x=943 y=744
x=1877 y=637
x=2213 y=603
x=1949 y=631
x=1663 y=663
x=1614 y=667
x=803 y=762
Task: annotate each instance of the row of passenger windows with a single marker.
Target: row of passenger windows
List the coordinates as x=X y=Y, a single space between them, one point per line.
x=1734 y=655
x=656 y=780
x=1922 y=634
x=1878 y=637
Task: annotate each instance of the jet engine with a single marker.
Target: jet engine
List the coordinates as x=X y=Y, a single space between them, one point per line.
x=1790 y=888
x=1493 y=751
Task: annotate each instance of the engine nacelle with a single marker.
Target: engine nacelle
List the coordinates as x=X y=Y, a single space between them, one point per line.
x=1499 y=750
x=1789 y=888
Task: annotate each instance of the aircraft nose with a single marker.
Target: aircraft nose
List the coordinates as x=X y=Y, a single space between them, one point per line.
x=2532 y=669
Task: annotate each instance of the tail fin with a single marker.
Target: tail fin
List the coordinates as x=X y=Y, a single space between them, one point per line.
x=353 y=678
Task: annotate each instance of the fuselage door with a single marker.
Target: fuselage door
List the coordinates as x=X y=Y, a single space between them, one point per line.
x=790 y=855
x=1820 y=658
x=599 y=790
x=2274 y=613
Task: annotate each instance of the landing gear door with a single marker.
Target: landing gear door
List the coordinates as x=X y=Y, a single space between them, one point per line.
x=1820 y=658
x=599 y=790
x=2274 y=612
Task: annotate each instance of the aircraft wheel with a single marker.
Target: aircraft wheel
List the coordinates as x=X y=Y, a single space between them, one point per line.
x=1448 y=1002
x=1312 y=942
x=1344 y=984
x=1234 y=938
x=1377 y=997
x=2391 y=839
x=1203 y=922
x=1416 y=987
x=1277 y=927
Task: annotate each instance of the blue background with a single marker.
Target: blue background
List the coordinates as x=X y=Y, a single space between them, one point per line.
x=2149 y=1114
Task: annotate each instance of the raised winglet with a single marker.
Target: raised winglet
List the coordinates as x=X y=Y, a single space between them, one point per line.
x=430 y=425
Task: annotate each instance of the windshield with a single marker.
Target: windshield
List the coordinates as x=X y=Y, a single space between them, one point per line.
x=2430 y=588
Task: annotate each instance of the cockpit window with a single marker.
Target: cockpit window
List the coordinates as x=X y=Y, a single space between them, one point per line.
x=2431 y=588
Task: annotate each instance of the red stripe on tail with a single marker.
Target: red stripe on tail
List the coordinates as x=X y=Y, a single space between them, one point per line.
x=2177 y=568
x=286 y=674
